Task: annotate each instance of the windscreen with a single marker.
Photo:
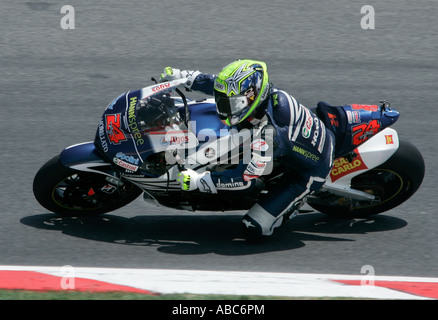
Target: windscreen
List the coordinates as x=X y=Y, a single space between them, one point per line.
x=158 y=113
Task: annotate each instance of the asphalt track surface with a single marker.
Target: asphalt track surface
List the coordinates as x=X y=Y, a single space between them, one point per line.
x=55 y=84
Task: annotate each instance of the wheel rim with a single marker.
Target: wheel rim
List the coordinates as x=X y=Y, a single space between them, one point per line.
x=85 y=192
x=384 y=184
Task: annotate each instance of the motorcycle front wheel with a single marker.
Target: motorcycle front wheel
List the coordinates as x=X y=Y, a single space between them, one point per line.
x=392 y=183
x=70 y=192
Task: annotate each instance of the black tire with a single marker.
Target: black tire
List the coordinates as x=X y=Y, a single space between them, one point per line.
x=70 y=192
x=393 y=183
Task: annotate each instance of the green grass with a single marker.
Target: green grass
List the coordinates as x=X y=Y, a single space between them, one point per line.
x=77 y=295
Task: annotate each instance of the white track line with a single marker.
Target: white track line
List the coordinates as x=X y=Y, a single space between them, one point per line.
x=232 y=282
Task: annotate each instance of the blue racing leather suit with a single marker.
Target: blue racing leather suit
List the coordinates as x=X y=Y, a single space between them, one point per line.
x=302 y=145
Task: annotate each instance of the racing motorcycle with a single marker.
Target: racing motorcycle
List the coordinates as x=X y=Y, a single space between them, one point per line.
x=146 y=137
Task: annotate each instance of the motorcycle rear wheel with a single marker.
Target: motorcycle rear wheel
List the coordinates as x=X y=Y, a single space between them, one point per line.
x=70 y=192
x=392 y=183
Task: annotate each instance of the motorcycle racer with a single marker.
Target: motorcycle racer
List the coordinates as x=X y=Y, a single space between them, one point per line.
x=300 y=142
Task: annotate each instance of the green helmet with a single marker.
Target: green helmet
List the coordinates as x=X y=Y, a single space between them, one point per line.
x=239 y=89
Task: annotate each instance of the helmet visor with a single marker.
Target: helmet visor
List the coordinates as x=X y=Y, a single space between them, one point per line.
x=235 y=107
x=230 y=106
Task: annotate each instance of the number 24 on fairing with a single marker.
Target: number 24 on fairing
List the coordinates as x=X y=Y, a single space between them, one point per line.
x=363 y=131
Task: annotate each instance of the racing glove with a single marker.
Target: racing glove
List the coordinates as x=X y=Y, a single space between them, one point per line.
x=191 y=180
x=170 y=74
x=259 y=165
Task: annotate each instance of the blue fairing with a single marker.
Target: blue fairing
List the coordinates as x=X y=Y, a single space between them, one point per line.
x=81 y=153
x=354 y=124
x=132 y=135
x=204 y=116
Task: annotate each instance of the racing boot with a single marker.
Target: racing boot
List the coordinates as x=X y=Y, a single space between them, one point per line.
x=259 y=224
